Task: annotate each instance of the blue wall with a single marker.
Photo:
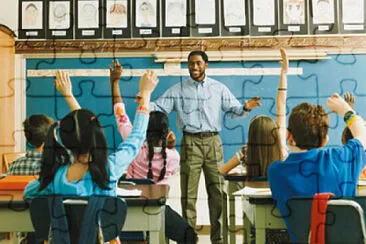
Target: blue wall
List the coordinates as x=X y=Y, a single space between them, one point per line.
x=320 y=79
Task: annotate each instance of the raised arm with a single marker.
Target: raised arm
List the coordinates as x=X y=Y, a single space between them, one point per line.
x=115 y=73
x=354 y=122
x=128 y=149
x=281 y=105
x=122 y=120
x=63 y=85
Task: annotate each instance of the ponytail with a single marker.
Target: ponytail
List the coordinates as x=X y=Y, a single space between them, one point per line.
x=98 y=155
x=150 y=147
x=163 y=153
x=54 y=155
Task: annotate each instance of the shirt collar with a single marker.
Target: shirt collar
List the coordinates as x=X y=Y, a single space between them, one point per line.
x=33 y=154
x=202 y=83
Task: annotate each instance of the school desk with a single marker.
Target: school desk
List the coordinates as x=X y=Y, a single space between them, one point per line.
x=145 y=213
x=262 y=213
x=234 y=183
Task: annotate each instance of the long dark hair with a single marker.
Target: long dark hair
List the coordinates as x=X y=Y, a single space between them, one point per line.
x=81 y=133
x=157 y=132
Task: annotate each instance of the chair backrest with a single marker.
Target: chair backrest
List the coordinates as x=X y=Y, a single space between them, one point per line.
x=8 y=158
x=77 y=216
x=344 y=220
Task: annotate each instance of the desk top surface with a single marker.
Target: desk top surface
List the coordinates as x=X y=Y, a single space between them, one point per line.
x=152 y=195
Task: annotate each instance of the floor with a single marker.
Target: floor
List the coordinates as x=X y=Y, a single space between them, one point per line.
x=203 y=239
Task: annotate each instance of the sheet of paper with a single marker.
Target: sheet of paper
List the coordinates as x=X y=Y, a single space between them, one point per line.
x=234 y=12
x=205 y=12
x=264 y=12
x=176 y=13
x=116 y=14
x=88 y=14
x=146 y=12
x=59 y=15
x=250 y=191
x=323 y=12
x=32 y=17
x=121 y=192
x=353 y=11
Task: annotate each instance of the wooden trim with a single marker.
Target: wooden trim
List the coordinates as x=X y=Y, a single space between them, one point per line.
x=332 y=43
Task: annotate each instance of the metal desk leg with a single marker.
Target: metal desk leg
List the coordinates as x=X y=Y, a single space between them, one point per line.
x=247 y=229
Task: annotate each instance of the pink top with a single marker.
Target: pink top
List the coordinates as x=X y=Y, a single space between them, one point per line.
x=139 y=167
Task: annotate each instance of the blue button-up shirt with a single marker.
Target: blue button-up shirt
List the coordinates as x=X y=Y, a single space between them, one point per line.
x=199 y=104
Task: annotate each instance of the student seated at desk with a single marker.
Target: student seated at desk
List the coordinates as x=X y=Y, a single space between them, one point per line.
x=36 y=128
x=311 y=169
x=92 y=171
x=157 y=159
x=266 y=137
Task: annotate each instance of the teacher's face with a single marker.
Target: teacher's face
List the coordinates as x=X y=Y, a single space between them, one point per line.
x=197 y=67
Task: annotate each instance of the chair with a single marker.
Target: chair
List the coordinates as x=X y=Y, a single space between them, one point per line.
x=8 y=158
x=344 y=220
x=77 y=216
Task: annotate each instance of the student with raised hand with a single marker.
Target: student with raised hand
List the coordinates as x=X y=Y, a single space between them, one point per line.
x=92 y=171
x=155 y=159
x=266 y=137
x=310 y=168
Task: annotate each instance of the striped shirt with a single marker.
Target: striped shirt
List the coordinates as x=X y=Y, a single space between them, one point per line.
x=30 y=164
x=199 y=105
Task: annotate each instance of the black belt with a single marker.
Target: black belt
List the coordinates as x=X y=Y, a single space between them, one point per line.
x=201 y=134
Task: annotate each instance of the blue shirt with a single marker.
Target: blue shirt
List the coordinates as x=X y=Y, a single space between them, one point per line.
x=199 y=104
x=117 y=164
x=334 y=170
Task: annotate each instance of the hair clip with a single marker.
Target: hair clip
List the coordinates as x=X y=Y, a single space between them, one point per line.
x=92 y=118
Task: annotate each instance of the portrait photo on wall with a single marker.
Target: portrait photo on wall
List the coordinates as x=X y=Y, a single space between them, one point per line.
x=175 y=18
x=31 y=20
x=293 y=17
x=146 y=16
x=88 y=19
x=60 y=20
x=234 y=18
x=323 y=17
x=117 y=19
x=205 y=17
x=264 y=17
x=352 y=16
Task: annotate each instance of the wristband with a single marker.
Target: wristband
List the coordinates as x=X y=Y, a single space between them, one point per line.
x=348 y=115
x=143 y=110
x=282 y=89
x=352 y=120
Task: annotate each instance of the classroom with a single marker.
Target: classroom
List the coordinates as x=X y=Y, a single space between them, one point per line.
x=182 y=121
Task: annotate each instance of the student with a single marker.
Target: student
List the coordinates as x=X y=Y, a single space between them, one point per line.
x=92 y=171
x=35 y=129
x=347 y=135
x=199 y=102
x=311 y=169
x=154 y=159
x=266 y=137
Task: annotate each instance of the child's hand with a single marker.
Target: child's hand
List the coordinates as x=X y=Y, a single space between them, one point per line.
x=336 y=104
x=63 y=83
x=148 y=81
x=115 y=72
x=284 y=60
x=350 y=99
x=252 y=103
x=171 y=140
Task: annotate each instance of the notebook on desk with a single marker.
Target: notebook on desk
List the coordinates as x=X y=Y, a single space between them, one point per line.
x=362 y=182
x=16 y=182
x=254 y=192
x=121 y=192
